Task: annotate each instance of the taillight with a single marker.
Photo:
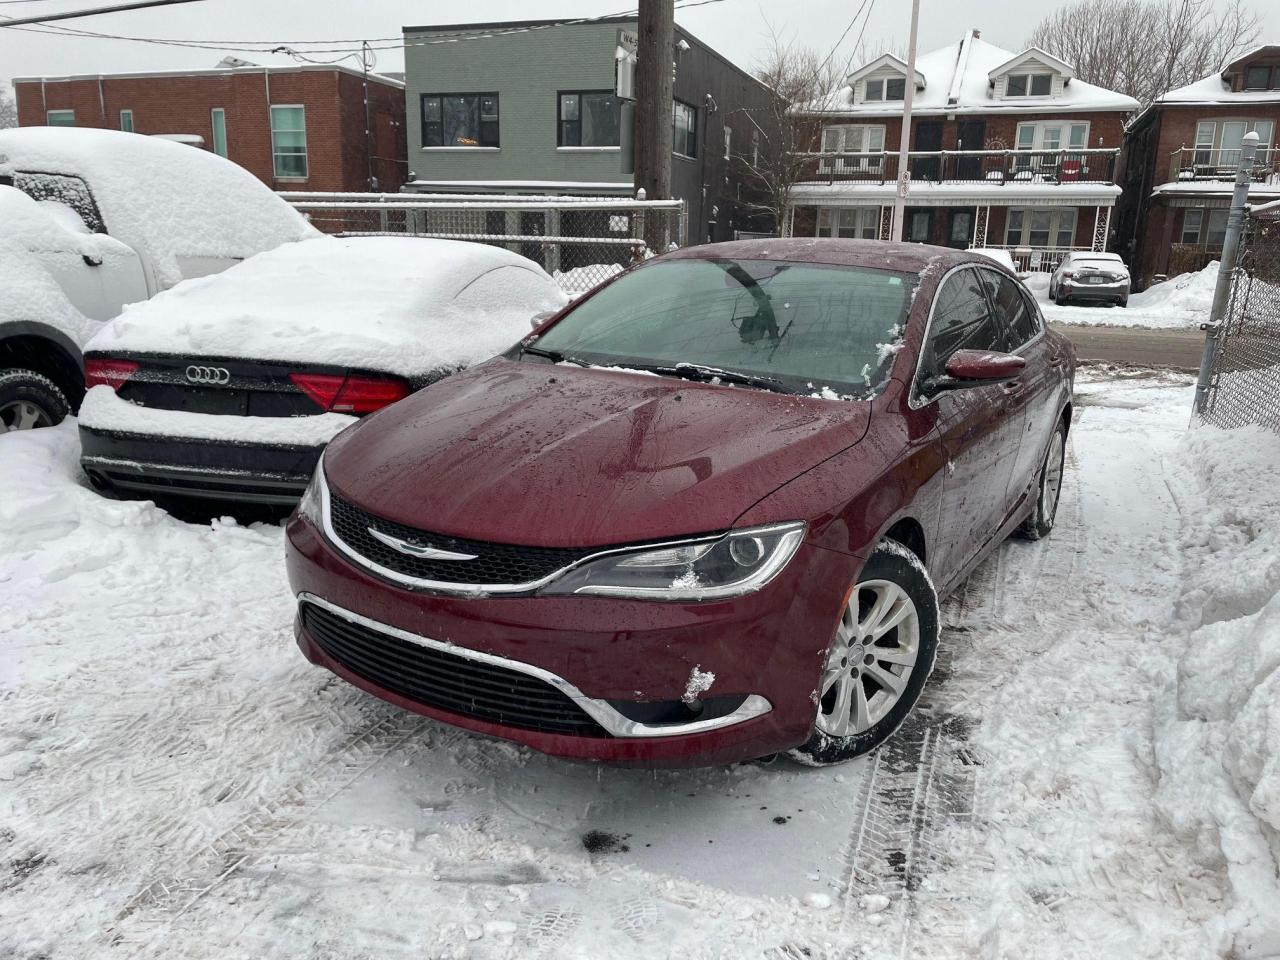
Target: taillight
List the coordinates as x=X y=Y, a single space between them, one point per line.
x=112 y=373
x=353 y=394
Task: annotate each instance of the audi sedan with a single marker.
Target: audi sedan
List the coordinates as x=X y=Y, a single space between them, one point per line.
x=703 y=514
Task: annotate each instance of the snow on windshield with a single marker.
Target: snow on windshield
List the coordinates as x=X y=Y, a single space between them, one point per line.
x=400 y=304
x=166 y=200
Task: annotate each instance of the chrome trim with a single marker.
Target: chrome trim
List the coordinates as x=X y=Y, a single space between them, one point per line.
x=408 y=548
x=217 y=376
x=599 y=710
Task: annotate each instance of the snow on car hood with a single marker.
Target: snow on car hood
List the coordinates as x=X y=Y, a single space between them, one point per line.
x=28 y=292
x=166 y=200
x=403 y=305
x=565 y=456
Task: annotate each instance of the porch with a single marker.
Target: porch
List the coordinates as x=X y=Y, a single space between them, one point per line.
x=992 y=167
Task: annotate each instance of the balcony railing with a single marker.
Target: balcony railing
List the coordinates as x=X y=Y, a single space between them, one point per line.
x=1036 y=259
x=995 y=167
x=1200 y=163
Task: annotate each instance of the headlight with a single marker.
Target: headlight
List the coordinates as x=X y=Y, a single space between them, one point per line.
x=311 y=504
x=710 y=568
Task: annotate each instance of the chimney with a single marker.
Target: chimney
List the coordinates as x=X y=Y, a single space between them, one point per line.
x=977 y=34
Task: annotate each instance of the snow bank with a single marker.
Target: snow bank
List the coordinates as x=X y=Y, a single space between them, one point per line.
x=166 y=200
x=403 y=305
x=1178 y=303
x=1218 y=746
x=28 y=292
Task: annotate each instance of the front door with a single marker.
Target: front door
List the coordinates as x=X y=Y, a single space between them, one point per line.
x=928 y=138
x=960 y=228
x=919 y=226
x=970 y=135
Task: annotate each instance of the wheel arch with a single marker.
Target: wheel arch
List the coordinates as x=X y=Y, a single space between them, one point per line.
x=46 y=350
x=909 y=532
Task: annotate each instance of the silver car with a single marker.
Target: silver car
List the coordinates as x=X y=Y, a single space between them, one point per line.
x=1093 y=277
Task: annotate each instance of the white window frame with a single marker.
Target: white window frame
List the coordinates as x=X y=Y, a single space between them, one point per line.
x=882 y=90
x=1205 y=225
x=1209 y=136
x=852 y=138
x=306 y=160
x=129 y=115
x=1031 y=77
x=50 y=114
x=1061 y=220
x=214 y=114
x=850 y=222
x=1039 y=135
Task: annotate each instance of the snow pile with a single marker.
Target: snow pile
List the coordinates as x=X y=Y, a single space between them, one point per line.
x=1179 y=303
x=1218 y=745
x=166 y=200
x=29 y=293
x=403 y=305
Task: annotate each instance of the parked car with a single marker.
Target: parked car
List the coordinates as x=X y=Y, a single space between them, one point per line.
x=114 y=218
x=1092 y=277
x=704 y=514
x=228 y=387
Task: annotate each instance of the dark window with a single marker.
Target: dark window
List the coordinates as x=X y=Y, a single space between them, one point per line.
x=684 y=129
x=588 y=119
x=1012 y=306
x=1017 y=85
x=895 y=89
x=69 y=190
x=1041 y=84
x=1258 y=78
x=962 y=320
x=460 y=120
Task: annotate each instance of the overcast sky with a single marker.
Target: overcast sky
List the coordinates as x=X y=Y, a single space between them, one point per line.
x=737 y=28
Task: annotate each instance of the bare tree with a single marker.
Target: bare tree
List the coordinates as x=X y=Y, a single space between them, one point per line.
x=1147 y=47
x=8 y=109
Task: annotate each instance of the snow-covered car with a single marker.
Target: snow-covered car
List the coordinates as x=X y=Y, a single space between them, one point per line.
x=114 y=218
x=1095 y=277
x=228 y=387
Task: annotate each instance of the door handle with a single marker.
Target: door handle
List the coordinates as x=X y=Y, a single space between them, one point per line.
x=1012 y=388
x=1057 y=360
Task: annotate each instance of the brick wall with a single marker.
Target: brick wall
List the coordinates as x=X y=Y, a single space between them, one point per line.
x=1105 y=128
x=183 y=103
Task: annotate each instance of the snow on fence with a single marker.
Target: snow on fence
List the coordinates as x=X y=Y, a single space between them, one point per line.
x=580 y=241
x=1245 y=384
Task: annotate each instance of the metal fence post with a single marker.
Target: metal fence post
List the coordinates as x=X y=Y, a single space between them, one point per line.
x=1226 y=269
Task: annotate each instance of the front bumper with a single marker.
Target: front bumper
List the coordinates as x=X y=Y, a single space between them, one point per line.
x=145 y=465
x=610 y=657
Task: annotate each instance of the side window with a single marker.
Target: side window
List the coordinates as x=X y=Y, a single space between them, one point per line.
x=72 y=191
x=962 y=320
x=1011 y=305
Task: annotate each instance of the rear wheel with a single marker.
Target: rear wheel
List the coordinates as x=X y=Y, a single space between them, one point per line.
x=1040 y=523
x=879 y=659
x=29 y=400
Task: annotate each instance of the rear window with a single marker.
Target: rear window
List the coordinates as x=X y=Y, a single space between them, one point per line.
x=1099 y=263
x=807 y=326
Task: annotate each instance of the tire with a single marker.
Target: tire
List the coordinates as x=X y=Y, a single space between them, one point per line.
x=29 y=400
x=893 y=581
x=1124 y=302
x=1040 y=523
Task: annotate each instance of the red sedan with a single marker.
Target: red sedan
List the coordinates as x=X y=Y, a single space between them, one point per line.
x=701 y=515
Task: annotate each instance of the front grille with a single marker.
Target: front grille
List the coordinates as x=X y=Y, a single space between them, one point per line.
x=446 y=681
x=495 y=563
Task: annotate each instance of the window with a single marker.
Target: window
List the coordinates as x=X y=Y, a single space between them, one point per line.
x=859 y=223
x=755 y=148
x=1053 y=135
x=919 y=226
x=1054 y=227
x=1262 y=78
x=684 y=129
x=65 y=189
x=126 y=121
x=1029 y=85
x=585 y=119
x=892 y=88
x=728 y=142
x=852 y=138
x=1012 y=306
x=60 y=118
x=218 y=118
x=962 y=320
x=1227 y=136
x=460 y=120
x=289 y=142
x=1201 y=226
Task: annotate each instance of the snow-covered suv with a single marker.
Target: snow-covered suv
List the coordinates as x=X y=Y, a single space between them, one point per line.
x=91 y=220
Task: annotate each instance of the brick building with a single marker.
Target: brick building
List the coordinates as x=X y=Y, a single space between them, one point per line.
x=1181 y=155
x=294 y=127
x=1007 y=150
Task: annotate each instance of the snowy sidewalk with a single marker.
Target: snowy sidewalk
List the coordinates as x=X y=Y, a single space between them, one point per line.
x=176 y=781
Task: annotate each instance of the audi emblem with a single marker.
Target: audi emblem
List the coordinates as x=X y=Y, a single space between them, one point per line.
x=217 y=376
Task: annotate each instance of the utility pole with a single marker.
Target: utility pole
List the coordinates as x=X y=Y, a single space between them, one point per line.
x=904 y=142
x=371 y=182
x=654 y=79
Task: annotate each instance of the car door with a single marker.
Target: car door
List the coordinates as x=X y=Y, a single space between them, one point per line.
x=979 y=427
x=1035 y=392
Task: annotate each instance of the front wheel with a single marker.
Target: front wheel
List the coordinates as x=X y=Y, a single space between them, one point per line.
x=1040 y=523
x=29 y=400
x=879 y=659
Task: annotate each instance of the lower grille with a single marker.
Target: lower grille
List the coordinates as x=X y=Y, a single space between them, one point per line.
x=447 y=681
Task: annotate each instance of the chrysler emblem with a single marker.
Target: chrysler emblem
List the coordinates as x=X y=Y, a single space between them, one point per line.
x=217 y=376
x=417 y=549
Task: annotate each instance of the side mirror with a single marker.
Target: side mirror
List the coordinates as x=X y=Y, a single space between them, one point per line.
x=538 y=319
x=974 y=368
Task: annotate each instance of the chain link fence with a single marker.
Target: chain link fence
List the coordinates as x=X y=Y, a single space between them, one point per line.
x=1245 y=383
x=580 y=241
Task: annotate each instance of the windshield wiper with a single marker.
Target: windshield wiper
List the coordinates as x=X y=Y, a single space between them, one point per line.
x=704 y=374
x=555 y=356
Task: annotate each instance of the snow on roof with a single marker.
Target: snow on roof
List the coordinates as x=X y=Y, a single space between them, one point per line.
x=28 y=292
x=1213 y=89
x=967 y=79
x=403 y=305
x=1033 y=53
x=885 y=60
x=164 y=199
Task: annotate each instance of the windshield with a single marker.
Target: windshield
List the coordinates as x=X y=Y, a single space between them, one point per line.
x=807 y=328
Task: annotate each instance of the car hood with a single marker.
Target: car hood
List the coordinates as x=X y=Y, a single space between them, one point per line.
x=517 y=452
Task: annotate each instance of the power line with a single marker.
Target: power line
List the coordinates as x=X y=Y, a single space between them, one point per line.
x=75 y=14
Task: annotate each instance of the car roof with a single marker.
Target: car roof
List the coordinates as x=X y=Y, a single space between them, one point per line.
x=1089 y=255
x=879 y=254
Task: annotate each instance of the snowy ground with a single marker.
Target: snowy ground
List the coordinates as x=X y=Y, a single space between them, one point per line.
x=176 y=781
x=1182 y=302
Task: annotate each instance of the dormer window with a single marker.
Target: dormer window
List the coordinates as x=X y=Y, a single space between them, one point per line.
x=1029 y=85
x=1262 y=78
x=893 y=88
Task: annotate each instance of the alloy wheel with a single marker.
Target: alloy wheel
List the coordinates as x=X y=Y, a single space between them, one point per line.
x=23 y=415
x=871 y=659
x=1051 y=489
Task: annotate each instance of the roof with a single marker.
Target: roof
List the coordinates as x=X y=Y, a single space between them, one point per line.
x=214 y=72
x=1034 y=53
x=884 y=60
x=1213 y=89
x=1270 y=49
x=958 y=80
x=880 y=254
